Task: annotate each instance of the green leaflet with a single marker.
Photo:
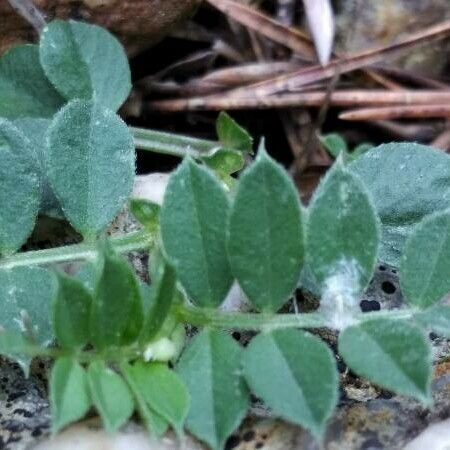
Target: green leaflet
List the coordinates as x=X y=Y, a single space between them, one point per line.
x=35 y=130
x=20 y=191
x=407 y=182
x=162 y=390
x=90 y=164
x=295 y=374
x=69 y=392
x=393 y=354
x=265 y=237
x=424 y=267
x=193 y=218
x=210 y=367
x=334 y=144
x=25 y=301
x=232 y=135
x=146 y=213
x=71 y=308
x=343 y=231
x=116 y=314
x=24 y=89
x=110 y=394
x=85 y=61
x=436 y=318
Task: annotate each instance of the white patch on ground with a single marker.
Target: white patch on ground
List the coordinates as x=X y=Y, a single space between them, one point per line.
x=435 y=437
x=151 y=187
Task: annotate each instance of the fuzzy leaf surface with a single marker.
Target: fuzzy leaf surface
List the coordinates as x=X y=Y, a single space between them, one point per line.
x=407 y=182
x=110 y=394
x=193 y=218
x=343 y=229
x=24 y=89
x=71 y=309
x=436 y=318
x=69 y=392
x=393 y=354
x=85 y=61
x=265 y=237
x=90 y=164
x=425 y=263
x=20 y=191
x=210 y=367
x=295 y=374
x=116 y=314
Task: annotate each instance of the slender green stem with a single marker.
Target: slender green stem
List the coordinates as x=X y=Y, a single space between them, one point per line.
x=138 y=240
x=172 y=144
x=264 y=321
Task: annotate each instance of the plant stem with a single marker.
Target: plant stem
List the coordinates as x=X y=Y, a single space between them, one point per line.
x=172 y=144
x=138 y=240
x=265 y=322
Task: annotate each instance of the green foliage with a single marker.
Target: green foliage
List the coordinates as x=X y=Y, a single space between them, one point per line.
x=274 y=367
x=90 y=148
x=220 y=400
x=265 y=240
x=115 y=338
x=407 y=182
x=85 y=61
x=395 y=355
x=20 y=190
x=426 y=261
x=24 y=88
x=196 y=203
x=69 y=393
x=336 y=145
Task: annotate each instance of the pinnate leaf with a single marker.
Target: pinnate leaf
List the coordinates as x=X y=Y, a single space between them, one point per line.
x=266 y=239
x=193 y=218
x=90 y=164
x=24 y=89
x=69 y=392
x=20 y=192
x=110 y=394
x=424 y=269
x=393 y=354
x=210 y=367
x=85 y=61
x=295 y=374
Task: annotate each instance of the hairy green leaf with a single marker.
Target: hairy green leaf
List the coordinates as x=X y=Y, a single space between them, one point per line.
x=407 y=182
x=295 y=374
x=436 y=318
x=20 y=191
x=232 y=135
x=110 y=394
x=424 y=267
x=266 y=239
x=393 y=354
x=90 y=164
x=343 y=230
x=85 y=61
x=193 y=218
x=334 y=144
x=210 y=367
x=163 y=391
x=24 y=89
x=69 y=392
x=116 y=313
x=71 y=308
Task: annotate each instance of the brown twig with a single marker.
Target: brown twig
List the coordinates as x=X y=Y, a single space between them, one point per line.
x=397 y=112
x=28 y=10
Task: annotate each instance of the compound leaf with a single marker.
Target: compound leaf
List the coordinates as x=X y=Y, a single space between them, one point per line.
x=110 y=394
x=425 y=261
x=90 y=164
x=85 y=61
x=69 y=392
x=193 y=218
x=24 y=89
x=295 y=374
x=265 y=238
x=20 y=192
x=393 y=354
x=210 y=367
